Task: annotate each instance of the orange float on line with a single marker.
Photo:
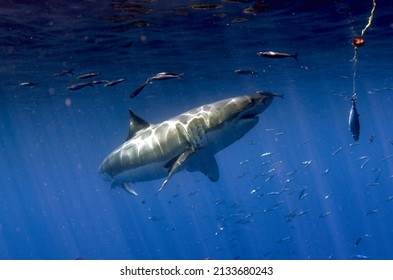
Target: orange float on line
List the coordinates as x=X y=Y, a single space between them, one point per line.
x=358 y=42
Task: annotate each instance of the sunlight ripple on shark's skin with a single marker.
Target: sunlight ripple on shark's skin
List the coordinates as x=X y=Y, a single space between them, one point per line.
x=188 y=141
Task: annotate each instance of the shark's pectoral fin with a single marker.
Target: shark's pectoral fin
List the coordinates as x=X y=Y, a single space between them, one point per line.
x=205 y=163
x=176 y=165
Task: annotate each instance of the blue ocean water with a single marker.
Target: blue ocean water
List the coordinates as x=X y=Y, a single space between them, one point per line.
x=297 y=186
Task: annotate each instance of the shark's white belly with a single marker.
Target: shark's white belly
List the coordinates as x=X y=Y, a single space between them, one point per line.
x=143 y=173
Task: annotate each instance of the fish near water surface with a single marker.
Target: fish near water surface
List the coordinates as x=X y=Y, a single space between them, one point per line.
x=166 y=76
x=64 y=72
x=88 y=76
x=271 y=54
x=188 y=141
x=246 y=72
x=114 y=82
x=27 y=84
x=157 y=77
x=79 y=86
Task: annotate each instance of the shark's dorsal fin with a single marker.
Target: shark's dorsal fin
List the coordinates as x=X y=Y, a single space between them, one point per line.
x=136 y=124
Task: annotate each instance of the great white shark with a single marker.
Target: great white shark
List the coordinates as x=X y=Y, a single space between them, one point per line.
x=188 y=141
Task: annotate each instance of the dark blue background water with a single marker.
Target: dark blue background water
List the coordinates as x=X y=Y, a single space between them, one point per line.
x=317 y=196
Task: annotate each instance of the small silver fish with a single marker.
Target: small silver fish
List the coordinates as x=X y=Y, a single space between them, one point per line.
x=88 y=75
x=99 y=82
x=27 y=84
x=365 y=162
x=285 y=239
x=154 y=218
x=336 y=151
x=354 y=144
x=78 y=86
x=372 y=211
x=64 y=72
x=301 y=213
x=324 y=215
x=114 y=82
x=273 y=193
x=303 y=194
x=166 y=76
x=271 y=54
x=291 y=173
x=139 y=89
x=357 y=242
x=359 y=257
x=289 y=180
x=362 y=157
x=267 y=154
x=159 y=76
x=246 y=72
x=387 y=157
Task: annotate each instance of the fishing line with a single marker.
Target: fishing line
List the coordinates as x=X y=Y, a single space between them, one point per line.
x=357 y=42
x=370 y=18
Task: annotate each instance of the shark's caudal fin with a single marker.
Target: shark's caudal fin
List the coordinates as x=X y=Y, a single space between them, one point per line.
x=136 y=124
